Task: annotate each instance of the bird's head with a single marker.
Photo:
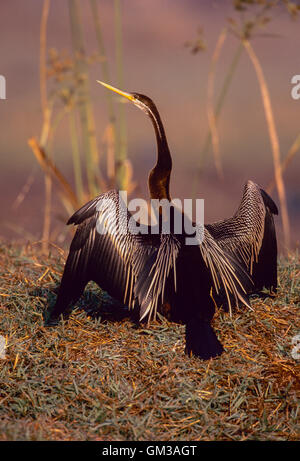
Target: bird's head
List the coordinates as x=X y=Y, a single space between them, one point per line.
x=141 y=101
x=159 y=177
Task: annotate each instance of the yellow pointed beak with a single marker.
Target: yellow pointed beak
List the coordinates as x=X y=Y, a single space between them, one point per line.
x=116 y=90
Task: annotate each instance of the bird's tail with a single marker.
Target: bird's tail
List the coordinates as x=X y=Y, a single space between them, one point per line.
x=265 y=269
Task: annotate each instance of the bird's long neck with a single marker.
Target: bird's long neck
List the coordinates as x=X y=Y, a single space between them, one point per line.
x=159 y=177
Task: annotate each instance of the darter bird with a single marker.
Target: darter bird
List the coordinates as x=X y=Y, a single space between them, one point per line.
x=148 y=271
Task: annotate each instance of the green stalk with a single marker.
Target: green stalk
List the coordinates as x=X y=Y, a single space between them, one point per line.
x=84 y=99
x=104 y=62
x=122 y=142
x=105 y=73
x=76 y=157
x=46 y=122
x=220 y=102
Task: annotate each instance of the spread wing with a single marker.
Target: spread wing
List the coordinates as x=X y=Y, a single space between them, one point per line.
x=228 y=275
x=224 y=271
x=125 y=260
x=250 y=235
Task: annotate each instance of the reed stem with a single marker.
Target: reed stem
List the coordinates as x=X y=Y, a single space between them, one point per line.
x=273 y=140
x=108 y=94
x=84 y=100
x=212 y=119
x=46 y=122
x=219 y=106
x=76 y=157
x=286 y=161
x=121 y=153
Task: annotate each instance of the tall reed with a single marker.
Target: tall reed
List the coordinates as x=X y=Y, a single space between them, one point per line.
x=212 y=116
x=84 y=103
x=217 y=112
x=273 y=140
x=73 y=89
x=46 y=122
x=76 y=156
x=66 y=192
x=103 y=60
x=121 y=154
x=295 y=147
x=111 y=130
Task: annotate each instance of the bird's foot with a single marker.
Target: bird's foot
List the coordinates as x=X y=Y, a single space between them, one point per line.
x=201 y=341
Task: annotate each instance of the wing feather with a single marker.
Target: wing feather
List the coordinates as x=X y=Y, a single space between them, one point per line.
x=250 y=235
x=116 y=258
x=227 y=274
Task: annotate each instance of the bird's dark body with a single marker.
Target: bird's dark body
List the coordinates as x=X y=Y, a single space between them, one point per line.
x=193 y=305
x=161 y=272
x=190 y=303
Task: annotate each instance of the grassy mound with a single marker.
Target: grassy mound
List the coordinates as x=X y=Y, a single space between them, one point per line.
x=106 y=378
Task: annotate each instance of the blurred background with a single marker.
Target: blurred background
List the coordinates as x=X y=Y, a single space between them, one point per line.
x=64 y=139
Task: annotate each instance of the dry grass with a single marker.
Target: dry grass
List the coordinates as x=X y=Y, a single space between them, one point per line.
x=108 y=379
